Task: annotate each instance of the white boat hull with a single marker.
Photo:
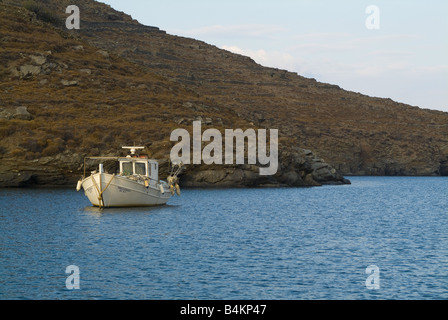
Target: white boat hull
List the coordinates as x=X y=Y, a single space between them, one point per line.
x=107 y=190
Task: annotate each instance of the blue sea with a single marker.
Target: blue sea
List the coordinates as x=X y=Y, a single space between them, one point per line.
x=378 y=238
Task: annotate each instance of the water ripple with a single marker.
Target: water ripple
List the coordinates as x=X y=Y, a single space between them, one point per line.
x=312 y=243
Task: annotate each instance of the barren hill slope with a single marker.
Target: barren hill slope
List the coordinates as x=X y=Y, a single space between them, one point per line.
x=63 y=98
x=65 y=94
x=356 y=133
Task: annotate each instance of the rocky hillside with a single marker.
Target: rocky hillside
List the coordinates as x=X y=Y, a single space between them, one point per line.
x=66 y=94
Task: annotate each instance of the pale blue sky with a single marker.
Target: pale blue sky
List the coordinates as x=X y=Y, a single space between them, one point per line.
x=406 y=59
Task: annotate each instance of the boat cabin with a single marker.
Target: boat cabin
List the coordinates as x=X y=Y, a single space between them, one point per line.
x=139 y=166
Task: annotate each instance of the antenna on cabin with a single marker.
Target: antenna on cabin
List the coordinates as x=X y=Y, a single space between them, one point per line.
x=132 y=150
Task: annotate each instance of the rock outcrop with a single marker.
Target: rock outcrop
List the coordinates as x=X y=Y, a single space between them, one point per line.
x=298 y=168
x=19 y=113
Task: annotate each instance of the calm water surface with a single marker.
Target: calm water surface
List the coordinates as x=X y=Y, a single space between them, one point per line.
x=293 y=243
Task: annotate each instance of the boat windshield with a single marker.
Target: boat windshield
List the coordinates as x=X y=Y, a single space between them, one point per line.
x=140 y=168
x=127 y=168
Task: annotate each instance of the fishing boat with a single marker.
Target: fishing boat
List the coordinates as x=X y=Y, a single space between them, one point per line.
x=136 y=184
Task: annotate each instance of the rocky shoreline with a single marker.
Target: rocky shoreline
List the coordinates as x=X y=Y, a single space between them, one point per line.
x=297 y=168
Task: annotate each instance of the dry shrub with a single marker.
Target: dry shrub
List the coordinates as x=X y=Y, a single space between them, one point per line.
x=3 y=151
x=53 y=147
x=90 y=143
x=17 y=153
x=51 y=150
x=32 y=155
x=32 y=145
x=42 y=13
x=7 y=128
